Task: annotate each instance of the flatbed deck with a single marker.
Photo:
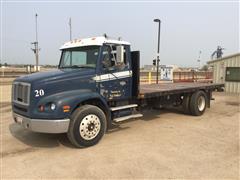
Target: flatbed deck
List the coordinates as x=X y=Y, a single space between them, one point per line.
x=161 y=89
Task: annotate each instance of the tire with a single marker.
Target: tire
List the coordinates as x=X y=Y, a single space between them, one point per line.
x=186 y=104
x=87 y=126
x=198 y=103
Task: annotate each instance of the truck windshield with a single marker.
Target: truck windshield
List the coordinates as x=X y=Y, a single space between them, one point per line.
x=81 y=57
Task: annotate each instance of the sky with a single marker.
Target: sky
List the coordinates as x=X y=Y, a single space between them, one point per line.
x=186 y=28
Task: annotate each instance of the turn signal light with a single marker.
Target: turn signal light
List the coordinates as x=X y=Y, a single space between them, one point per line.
x=66 y=108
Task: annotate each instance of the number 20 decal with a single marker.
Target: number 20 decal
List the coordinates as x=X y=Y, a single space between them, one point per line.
x=39 y=92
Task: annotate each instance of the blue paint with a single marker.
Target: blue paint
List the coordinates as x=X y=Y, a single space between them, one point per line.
x=71 y=86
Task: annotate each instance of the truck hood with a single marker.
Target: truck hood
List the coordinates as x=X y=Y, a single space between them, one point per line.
x=56 y=75
x=52 y=83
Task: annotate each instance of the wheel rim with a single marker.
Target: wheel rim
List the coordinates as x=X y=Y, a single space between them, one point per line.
x=201 y=103
x=89 y=127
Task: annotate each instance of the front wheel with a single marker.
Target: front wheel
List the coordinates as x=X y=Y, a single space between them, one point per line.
x=87 y=126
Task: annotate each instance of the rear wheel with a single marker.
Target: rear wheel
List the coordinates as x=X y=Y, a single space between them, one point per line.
x=198 y=103
x=186 y=104
x=87 y=126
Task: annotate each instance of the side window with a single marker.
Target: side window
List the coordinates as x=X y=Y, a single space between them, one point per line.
x=233 y=74
x=114 y=57
x=106 y=60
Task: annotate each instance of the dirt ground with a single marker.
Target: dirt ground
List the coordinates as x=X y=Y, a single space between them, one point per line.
x=163 y=144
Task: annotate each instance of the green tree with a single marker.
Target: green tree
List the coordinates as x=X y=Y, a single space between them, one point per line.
x=204 y=68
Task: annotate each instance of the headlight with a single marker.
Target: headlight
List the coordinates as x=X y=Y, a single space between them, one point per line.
x=53 y=106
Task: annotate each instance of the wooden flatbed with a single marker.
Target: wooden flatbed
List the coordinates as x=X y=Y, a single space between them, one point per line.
x=162 y=89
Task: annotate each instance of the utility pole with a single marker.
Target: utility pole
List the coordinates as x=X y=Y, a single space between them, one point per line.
x=158 y=59
x=36 y=48
x=70 y=28
x=199 y=59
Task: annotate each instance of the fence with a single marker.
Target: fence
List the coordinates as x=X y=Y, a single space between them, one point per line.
x=12 y=72
x=179 y=76
x=145 y=76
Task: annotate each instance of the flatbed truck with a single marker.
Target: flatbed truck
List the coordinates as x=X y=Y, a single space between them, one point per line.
x=95 y=87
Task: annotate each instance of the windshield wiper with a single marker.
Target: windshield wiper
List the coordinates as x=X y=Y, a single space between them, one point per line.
x=76 y=66
x=80 y=66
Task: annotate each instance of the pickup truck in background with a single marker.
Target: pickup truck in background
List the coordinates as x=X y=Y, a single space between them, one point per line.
x=96 y=86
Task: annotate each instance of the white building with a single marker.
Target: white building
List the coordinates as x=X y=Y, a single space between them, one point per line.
x=227 y=70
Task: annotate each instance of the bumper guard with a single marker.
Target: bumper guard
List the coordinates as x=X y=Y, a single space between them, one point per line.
x=42 y=125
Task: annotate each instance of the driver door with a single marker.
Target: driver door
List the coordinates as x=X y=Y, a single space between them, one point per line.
x=115 y=78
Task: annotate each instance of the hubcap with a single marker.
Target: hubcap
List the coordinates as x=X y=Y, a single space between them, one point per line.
x=89 y=127
x=201 y=103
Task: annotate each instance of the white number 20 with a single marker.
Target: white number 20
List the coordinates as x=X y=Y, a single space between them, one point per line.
x=39 y=92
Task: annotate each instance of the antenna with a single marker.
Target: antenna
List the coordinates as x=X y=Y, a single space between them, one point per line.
x=36 y=49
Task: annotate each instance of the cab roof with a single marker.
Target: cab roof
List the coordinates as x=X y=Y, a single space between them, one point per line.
x=93 y=41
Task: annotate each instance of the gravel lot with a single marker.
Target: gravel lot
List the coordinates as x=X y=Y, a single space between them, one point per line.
x=163 y=144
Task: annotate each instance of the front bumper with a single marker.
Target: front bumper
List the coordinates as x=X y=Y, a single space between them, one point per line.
x=42 y=125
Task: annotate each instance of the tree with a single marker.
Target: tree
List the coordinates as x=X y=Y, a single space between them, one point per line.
x=204 y=68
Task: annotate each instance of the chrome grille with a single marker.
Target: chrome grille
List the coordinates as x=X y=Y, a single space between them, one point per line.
x=21 y=93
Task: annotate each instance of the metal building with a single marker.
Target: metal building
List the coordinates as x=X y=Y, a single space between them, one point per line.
x=227 y=70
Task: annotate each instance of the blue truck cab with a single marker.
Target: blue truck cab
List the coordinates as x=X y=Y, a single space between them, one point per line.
x=95 y=86
x=92 y=73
